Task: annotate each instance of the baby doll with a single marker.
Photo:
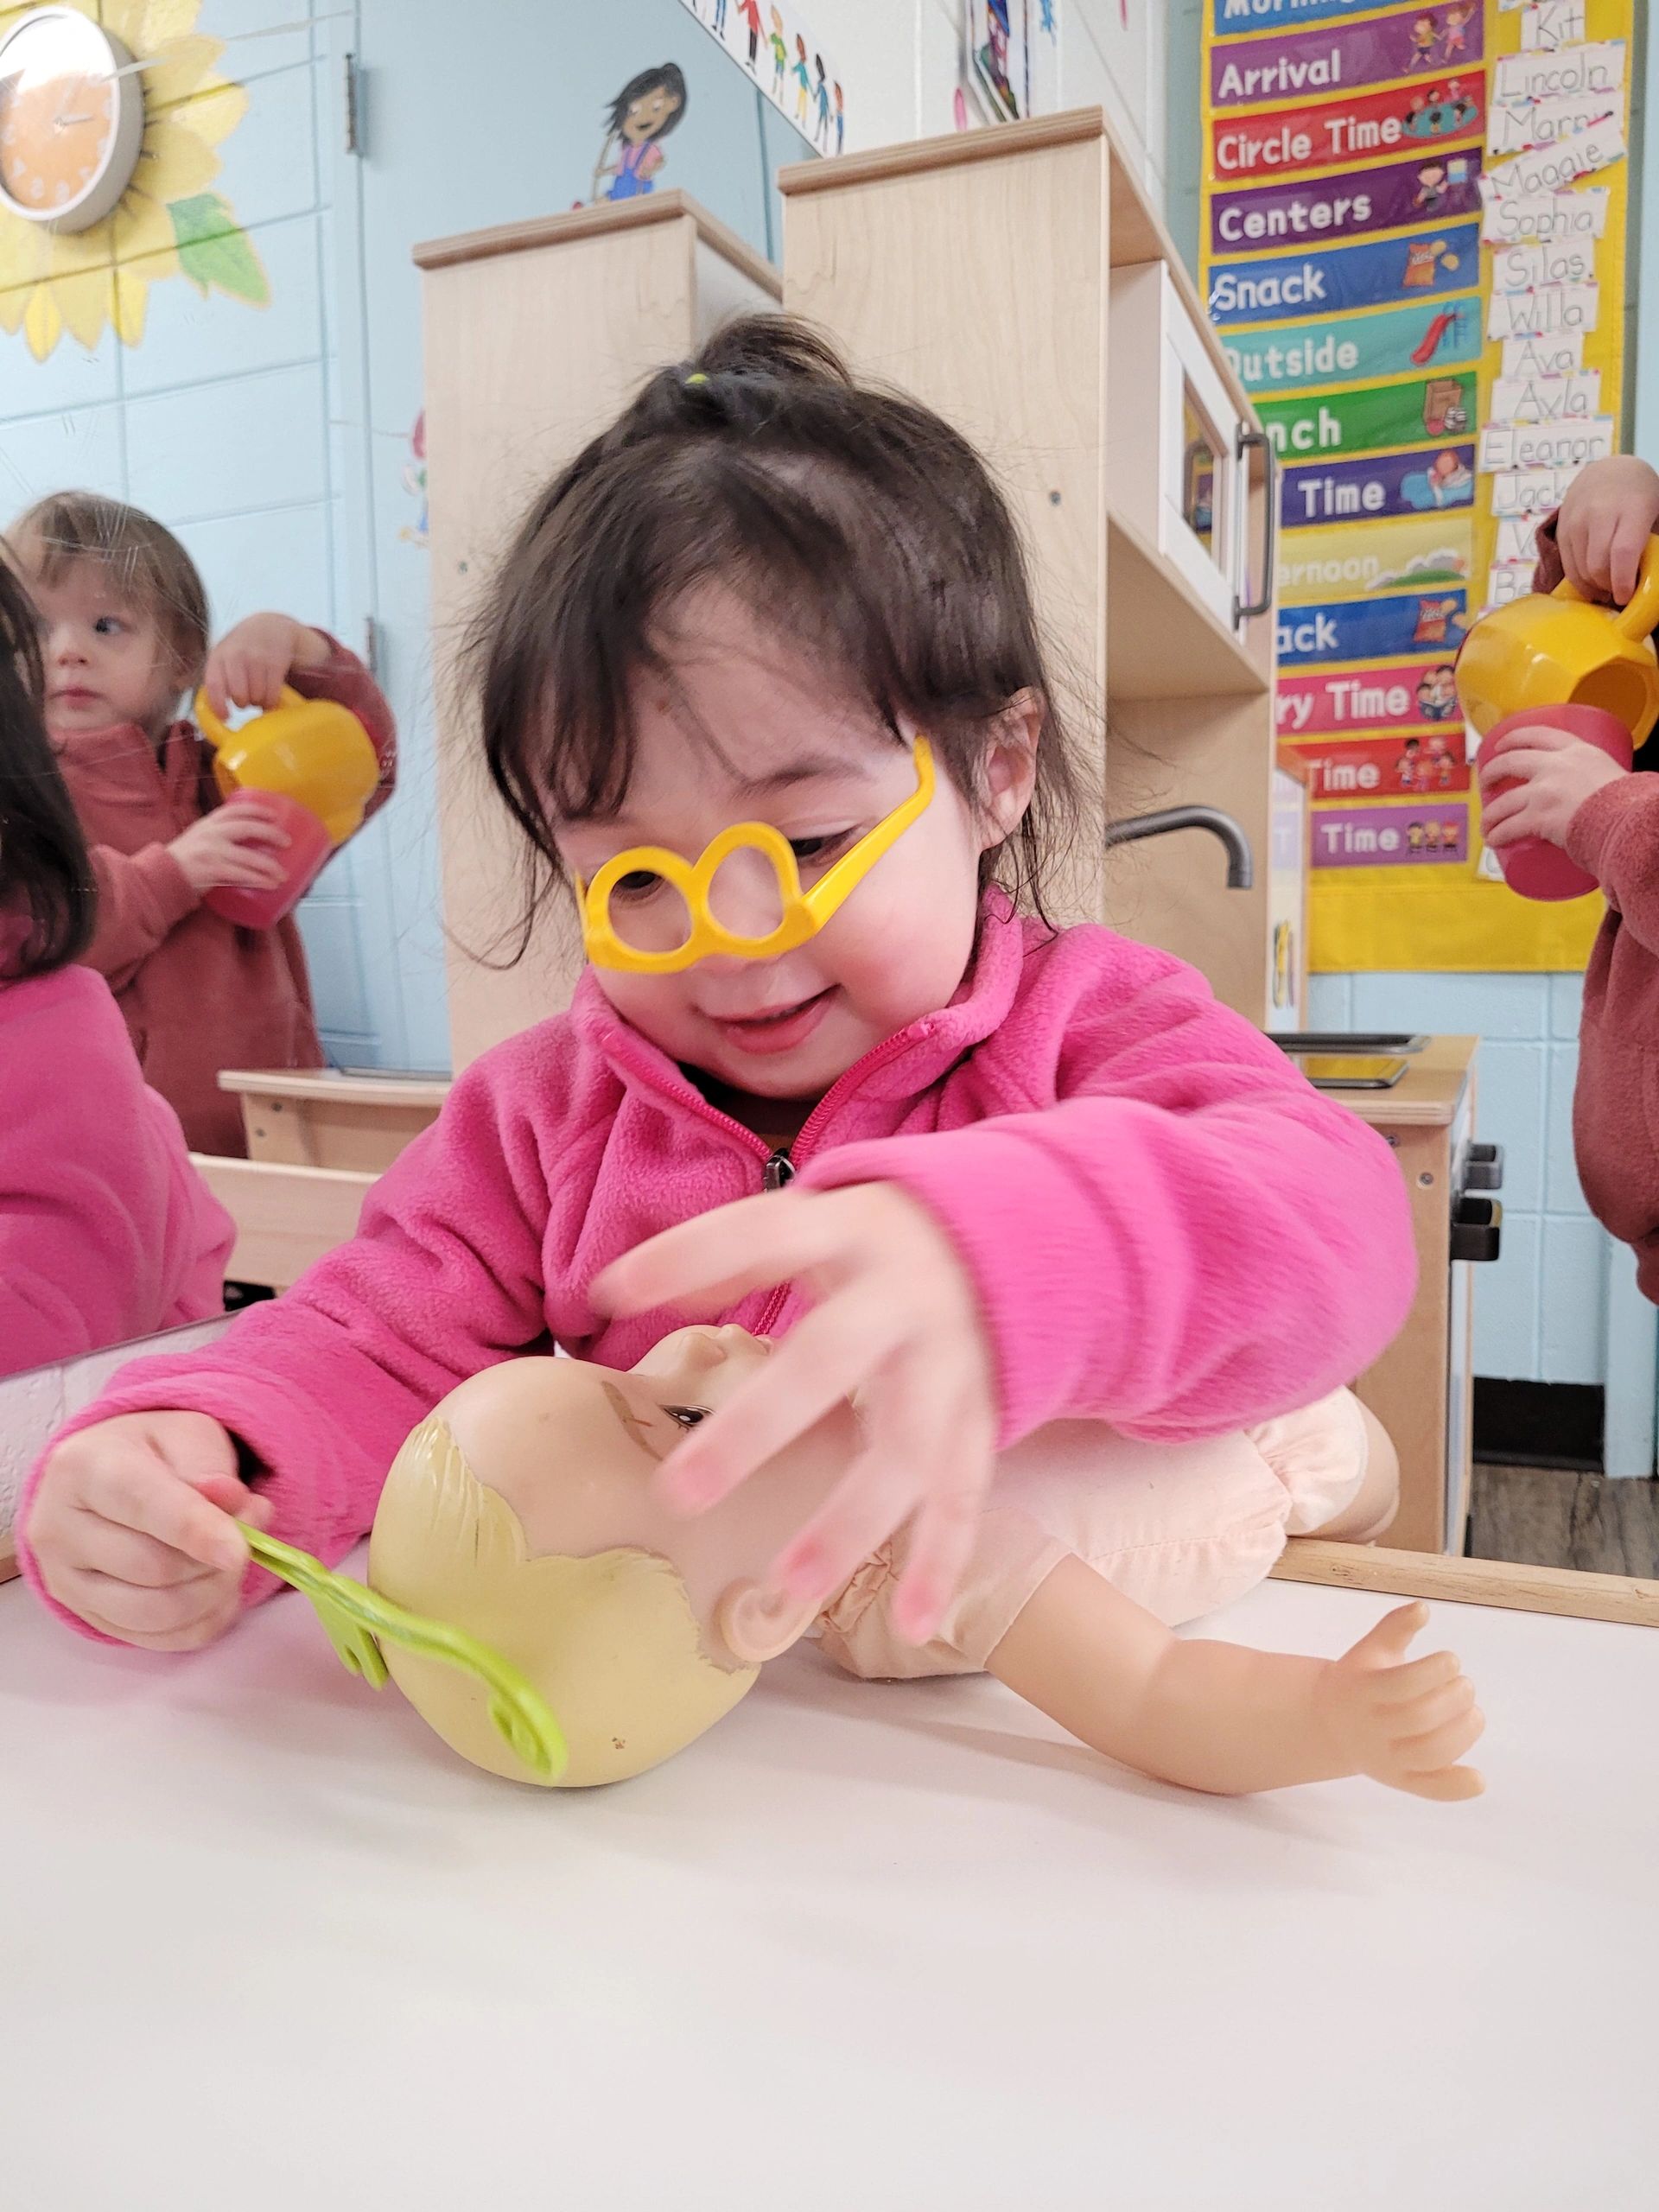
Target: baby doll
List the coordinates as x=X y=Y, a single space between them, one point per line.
x=525 y=1512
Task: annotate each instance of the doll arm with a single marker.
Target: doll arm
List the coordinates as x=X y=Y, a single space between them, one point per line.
x=1223 y=1717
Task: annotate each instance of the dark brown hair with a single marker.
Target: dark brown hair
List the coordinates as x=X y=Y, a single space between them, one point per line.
x=147 y=564
x=869 y=529
x=45 y=874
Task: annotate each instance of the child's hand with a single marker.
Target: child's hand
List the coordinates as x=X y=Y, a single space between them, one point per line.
x=896 y=1321
x=1407 y=1723
x=133 y=1528
x=1553 y=773
x=1610 y=511
x=249 y=664
x=234 y=845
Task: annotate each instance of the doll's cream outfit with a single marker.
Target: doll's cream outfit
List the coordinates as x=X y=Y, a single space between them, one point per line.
x=1181 y=1529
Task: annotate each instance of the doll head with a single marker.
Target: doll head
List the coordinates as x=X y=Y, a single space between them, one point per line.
x=524 y=1512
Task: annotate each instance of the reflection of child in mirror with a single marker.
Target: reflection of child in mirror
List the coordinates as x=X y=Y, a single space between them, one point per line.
x=107 y=1232
x=979 y=1171
x=123 y=620
x=1606 y=819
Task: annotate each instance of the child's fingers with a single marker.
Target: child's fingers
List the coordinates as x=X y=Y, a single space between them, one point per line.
x=124 y=1556
x=821 y=1362
x=138 y=1491
x=189 y=1634
x=134 y=1613
x=707 y=1264
x=1495 y=812
x=1630 y=542
x=947 y=1527
x=246 y=825
x=1435 y=1670
x=1439 y=1748
x=857 y=1519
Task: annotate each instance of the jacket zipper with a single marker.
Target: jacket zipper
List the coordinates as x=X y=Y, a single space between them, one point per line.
x=779 y=1166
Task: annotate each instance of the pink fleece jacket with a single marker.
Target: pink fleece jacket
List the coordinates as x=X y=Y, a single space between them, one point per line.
x=1168 y=1229
x=107 y=1231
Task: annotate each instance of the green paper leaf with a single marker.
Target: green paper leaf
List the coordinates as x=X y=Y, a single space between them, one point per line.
x=215 y=250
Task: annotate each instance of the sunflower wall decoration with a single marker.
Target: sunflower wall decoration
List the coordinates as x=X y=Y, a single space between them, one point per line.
x=167 y=222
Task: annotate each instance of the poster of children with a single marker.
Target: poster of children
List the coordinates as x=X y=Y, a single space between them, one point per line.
x=785 y=57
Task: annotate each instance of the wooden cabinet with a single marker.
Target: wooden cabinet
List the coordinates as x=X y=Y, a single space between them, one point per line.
x=537 y=334
x=1019 y=281
x=1422 y=1389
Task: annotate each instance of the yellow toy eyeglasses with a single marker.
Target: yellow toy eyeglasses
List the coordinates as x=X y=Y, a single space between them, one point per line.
x=803 y=912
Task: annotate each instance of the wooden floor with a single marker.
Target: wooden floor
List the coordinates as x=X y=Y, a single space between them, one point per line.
x=1545 y=1517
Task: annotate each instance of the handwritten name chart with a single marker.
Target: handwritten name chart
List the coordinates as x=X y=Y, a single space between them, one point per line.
x=1414 y=226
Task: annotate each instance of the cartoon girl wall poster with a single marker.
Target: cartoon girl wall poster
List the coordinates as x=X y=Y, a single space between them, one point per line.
x=641 y=116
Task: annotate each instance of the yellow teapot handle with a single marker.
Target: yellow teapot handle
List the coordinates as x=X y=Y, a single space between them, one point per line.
x=1640 y=619
x=219 y=733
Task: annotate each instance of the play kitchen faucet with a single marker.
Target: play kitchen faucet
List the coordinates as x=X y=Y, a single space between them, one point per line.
x=1240 y=867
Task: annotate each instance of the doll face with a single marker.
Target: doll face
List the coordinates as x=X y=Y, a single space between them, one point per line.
x=574 y=1450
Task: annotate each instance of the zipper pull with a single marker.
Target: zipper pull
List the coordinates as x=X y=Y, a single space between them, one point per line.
x=780 y=1171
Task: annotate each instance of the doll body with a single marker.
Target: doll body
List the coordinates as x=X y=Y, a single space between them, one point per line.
x=526 y=1511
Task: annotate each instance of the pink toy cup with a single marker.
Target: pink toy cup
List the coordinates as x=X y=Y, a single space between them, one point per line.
x=1534 y=867
x=300 y=861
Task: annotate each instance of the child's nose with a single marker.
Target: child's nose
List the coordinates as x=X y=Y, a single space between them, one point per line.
x=66 y=643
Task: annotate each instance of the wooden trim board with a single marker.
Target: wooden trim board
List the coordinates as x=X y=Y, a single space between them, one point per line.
x=589 y=222
x=1501 y=1583
x=324 y=1086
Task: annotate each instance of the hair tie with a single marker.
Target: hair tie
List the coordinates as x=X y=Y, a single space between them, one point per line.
x=697 y=376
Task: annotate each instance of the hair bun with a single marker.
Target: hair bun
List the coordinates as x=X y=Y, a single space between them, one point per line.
x=773 y=345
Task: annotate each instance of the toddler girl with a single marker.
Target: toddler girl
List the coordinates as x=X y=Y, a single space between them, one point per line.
x=978 y=1171
x=105 y=1232
x=1606 y=818
x=124 y=634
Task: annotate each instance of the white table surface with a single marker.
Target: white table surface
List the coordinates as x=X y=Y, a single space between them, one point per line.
x=263 y=1944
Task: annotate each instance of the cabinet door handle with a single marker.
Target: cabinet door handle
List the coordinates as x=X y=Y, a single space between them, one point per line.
x=1245 y=439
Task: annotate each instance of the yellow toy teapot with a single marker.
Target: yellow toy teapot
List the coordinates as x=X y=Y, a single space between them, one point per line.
x=313 y=751
x=309 y=766
x=1556 y=650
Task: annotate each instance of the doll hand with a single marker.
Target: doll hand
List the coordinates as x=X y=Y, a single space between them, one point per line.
x=895 y=1320
x=133 y=1528
x=1610 y=511
x=249 y=664
x=1553 y=773
x=1405 y=1723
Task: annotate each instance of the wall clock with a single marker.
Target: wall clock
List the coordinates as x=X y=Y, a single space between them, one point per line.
x=72 y=123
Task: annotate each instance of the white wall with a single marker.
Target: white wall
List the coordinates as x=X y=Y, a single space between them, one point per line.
x=899 y=65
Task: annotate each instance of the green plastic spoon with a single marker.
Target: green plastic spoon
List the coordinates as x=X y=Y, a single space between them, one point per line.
x=356 y=1617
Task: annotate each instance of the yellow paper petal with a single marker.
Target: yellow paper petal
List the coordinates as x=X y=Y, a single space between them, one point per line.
x=213 y=112
x=13 y=299
x=22 y=250
x=87 y=303
x=141 y=225
x=43 y=324
x=162 y=20
x=175 y=164
x=132 y=294
x=66 y=253
x=178 y=71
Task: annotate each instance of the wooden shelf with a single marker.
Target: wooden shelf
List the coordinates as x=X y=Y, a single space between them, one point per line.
x=1161 y=641
x=286 y=1217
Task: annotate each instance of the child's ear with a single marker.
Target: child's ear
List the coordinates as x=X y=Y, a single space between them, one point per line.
x=1010 y=769
x=756 y=1625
